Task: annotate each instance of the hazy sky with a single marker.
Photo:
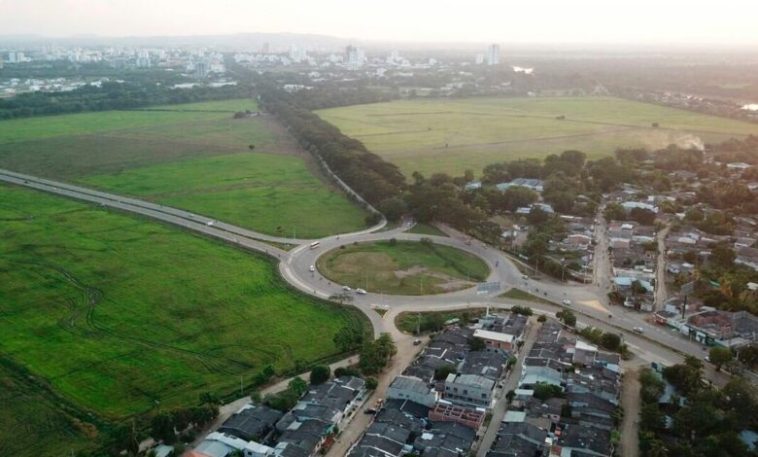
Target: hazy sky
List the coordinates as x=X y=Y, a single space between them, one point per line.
x=526 y=21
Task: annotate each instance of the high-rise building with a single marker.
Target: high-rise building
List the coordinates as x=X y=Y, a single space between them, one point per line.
x=143 y=59
x=201 y=69
x=493 y=54
x=354 y=56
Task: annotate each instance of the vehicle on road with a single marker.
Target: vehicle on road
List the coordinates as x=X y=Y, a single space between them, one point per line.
x=369 y=411
x=315 y=244
x=416 y=342
x=360 y=291
x=567 y=302
x=525 y=277
x=210 y=223
x=312 y=268
x=639 y=330
x=610 y=316
x=347 y=288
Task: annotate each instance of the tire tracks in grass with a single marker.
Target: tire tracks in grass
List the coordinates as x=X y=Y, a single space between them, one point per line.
x=86 y=307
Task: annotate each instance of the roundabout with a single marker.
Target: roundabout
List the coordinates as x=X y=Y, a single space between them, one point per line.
x=295 y=267
x=402 y=267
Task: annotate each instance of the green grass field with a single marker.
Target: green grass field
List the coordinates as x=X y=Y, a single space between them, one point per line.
x=116 y=313
x=195 y=157
x=452 y=135
x=275 y=194
x=405 y=268
x=518 y=294
x=426 y=229
x=34 y=422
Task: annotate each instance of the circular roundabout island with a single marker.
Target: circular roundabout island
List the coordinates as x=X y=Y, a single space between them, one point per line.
x=403 y=267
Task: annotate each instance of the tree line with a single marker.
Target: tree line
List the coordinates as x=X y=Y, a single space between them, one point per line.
x=112 y=96
x=374 y=179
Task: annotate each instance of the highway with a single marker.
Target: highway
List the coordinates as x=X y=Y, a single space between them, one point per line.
x=589 y=301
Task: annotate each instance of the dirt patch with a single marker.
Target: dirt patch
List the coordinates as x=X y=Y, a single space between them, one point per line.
x=454 y=284
x=412 y=271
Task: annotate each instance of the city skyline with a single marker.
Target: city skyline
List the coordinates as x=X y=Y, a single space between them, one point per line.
x=673 y=22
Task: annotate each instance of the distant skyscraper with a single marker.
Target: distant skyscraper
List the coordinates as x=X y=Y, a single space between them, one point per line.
x=201 y=70
x=493 y=54
x=143 y=59
x=354 y=56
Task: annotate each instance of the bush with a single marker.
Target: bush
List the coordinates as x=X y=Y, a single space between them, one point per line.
x=345 y=371
x=320 y=374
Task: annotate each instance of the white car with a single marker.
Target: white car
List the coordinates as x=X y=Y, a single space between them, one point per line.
x=360 y=291
x=312 y=268
x=567 y=302
x=639 y=330
x=347 y=288
x=210 y=223
x=524 y=277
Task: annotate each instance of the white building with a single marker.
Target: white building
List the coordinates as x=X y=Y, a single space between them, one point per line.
x=413 y=389
x=493 y=54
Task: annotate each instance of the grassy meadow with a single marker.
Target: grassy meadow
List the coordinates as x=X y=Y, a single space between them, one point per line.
x=452 y=135
x=116 y=314
x=275 y=194
x=194 y=156
x=404 y=267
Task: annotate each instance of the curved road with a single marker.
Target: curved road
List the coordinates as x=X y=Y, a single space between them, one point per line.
x=588 y=301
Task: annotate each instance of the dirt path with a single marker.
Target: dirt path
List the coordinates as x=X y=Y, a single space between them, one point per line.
x=630 y=401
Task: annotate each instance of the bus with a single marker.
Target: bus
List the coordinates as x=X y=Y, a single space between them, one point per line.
x=315 y=244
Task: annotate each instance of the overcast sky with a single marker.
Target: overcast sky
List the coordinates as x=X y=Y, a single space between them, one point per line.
x=523 y=21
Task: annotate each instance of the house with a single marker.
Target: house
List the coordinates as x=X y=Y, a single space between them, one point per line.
x=489 y=364
x=469 y=390
x=445 y=439
x=218 y=444
x=413 y=389
x=519 y=439
x=536 y=185
x=251 y=423
x=496 y=340
x=473 y=185
x=577 y=440
x=447 y=412
x=382 y=440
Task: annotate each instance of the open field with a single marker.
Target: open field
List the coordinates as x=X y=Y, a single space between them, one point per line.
x=196 y=157
x=404 y=267
x=452 y=135
x=273 y=193
x=116 y=313
x=35 y=423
